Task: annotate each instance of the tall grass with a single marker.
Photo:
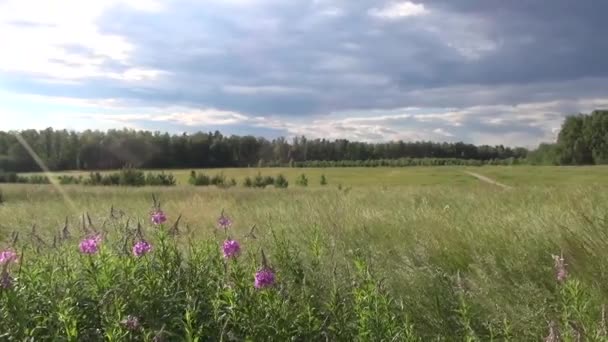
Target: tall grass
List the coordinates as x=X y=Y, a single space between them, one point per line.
x=432 y=263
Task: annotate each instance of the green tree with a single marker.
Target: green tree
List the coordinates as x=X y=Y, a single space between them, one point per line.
x=572 y=143
x=595 y=132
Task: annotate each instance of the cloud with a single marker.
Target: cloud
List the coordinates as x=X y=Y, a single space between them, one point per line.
x=47 y=40
x=180 y=116
x=398 y=10
x=441 y=131
x=262 y=89
x=369 y=70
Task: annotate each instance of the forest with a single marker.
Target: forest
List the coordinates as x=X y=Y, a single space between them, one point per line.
x=96 y=150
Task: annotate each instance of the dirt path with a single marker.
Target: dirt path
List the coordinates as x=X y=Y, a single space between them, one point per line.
x=487 y=180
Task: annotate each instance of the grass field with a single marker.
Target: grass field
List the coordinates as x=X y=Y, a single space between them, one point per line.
x=397 y=254
x=416 y=176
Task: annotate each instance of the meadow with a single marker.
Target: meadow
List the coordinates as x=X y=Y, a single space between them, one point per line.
x=378 y=254
x=521 y=175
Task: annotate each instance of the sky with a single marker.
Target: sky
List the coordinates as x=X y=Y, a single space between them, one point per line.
x=482 y=72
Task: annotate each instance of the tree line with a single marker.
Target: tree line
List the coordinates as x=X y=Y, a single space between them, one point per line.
x=582 y=140
x=114 y=149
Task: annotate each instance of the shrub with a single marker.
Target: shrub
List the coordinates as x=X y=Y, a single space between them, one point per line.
x=93 y=179
x=281 y=182
x=10 y=177
x=323 y=180
x=2 y=199
x=248 y=183
x=110 y=179
x=227 y=183
x=167 y=179
x=302 y=180
x=131 y=177
x=200 y=179
x=268 y=180
x=218 y=179
x=66 y=179
x=160 y=179
x=259 y=181
x=37 y=179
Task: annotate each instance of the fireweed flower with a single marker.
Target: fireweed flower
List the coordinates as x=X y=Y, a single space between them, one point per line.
x=142 y=247
x=131 y=323
x=560 y=268
x=264 y=278
x=8 y=256
x=158 y=217
x=90 y=245
x=231 y=249
x=224 y=222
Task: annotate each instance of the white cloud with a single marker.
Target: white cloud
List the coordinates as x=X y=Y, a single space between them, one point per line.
x=37 y=37
x=332 y=12
x=267 y=90
x=138 y=74
x=399 y=10
x=181 y=116
x=450 y=117
x=519 y=139
x=442 y=132
x=203 y=117
x=470 y=124
x=108 y=103
x=522 y=125
x=145 y=5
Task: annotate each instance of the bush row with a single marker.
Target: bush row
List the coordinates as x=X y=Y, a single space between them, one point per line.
x=258 y=181
x=134 y=177
x=201 y=179
x=401 y=162
x=12 y=177
x=124 y=177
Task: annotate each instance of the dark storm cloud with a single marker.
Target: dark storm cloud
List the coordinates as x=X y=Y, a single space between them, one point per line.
x=303 y=45
x=539 y=40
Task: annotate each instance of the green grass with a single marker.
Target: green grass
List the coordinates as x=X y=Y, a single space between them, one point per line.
x=415 y=176
x=457 y=259
x=546 y=175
